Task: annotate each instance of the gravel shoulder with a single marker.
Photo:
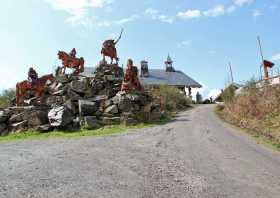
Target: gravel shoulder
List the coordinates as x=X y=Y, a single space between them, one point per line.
x=195 y=156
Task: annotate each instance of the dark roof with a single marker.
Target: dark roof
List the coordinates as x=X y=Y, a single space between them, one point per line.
x=160 y=77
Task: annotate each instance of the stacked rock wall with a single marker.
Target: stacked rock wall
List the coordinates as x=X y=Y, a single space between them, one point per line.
x=71 y=102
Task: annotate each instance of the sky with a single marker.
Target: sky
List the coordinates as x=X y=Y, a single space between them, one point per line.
x=201 y=36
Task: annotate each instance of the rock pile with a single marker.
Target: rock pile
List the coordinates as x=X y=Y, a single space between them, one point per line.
x=71 y=102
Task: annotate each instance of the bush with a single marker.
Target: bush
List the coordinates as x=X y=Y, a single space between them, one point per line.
x=228 y=94
x=171 y=98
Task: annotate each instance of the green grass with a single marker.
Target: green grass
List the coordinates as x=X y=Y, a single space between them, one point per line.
x=260 y=139
x=34 y=135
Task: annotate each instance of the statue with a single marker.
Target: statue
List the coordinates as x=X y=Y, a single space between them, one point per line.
x=109 y=49
x=144 y=69
x=73 y=53
x=131 y=81
x=35 y=84
x=70 y=61
x=32 y=75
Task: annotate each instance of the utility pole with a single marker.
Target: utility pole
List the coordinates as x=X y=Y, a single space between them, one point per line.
x=231 y=74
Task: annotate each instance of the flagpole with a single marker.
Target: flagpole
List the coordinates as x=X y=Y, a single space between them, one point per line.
x=261 y=51
x=231 y=74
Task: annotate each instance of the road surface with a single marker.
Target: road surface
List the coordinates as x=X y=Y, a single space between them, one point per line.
x=197 y=155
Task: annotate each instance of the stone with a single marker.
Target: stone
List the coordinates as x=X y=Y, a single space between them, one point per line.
x=31 y=101
x=111 y=120
x=108 y=103
x=128 y=119
x=55 y=100
x=72 y=105
x=3 y=116
x=73 y=95
x=98 y=98
x=112 y=109
x=16 y=118
x=59 y=93
x=19 y=126
x=60 y=116
x=62 y=79
x=78 y=86
x=45 y=128
x=125 y=105
x=37 y=118
x=3 y=128
x=90 y=122
x=87 y=108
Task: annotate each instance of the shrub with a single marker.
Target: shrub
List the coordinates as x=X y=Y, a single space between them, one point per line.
x=256 y=109
x=228 y=94
x=172 y=98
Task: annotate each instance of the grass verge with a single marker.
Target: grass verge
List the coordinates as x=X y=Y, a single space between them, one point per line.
x=34 y=135
x=259 y=138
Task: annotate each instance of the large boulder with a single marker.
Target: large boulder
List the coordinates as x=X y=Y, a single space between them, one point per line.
x=3 y=128
x=111 y=120
x=78 y=86
x=19 y=126
x=87 y=108
x=45 y=128
x=17 y=118
x=3 y=116
x=60 y=116
x=37 y=118
x=90 y=122
x=112 y=109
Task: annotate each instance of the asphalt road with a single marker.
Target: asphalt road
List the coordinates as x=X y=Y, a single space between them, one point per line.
x=197 y=155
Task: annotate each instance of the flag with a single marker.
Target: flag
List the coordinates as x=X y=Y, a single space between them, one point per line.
x=267 y=63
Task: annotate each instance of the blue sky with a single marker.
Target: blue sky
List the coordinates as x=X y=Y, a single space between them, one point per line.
x=202 y=36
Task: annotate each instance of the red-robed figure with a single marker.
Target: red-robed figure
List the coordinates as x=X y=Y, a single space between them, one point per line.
x=131 y=81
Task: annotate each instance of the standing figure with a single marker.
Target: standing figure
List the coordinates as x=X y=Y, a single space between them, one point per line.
x=131 y=81
x=109 y=49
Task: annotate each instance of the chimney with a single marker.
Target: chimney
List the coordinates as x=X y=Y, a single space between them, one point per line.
x=144 y=69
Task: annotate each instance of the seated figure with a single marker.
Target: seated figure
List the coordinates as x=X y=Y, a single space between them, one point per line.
x=131 y=81
x=32 y=76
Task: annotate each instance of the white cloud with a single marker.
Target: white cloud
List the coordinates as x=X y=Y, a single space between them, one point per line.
x=166 y=19
x=184 y=43
x=155 y=15
x=128 y=19
x=78 y=9
x=257 y=13
x=213 y=93
x=205 y=91
x=219 y=10
x=189 y=14
x=276 y=57
x=243 y=2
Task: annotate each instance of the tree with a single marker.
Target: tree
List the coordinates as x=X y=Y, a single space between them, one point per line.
x=198 y=98
x=6 y=97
